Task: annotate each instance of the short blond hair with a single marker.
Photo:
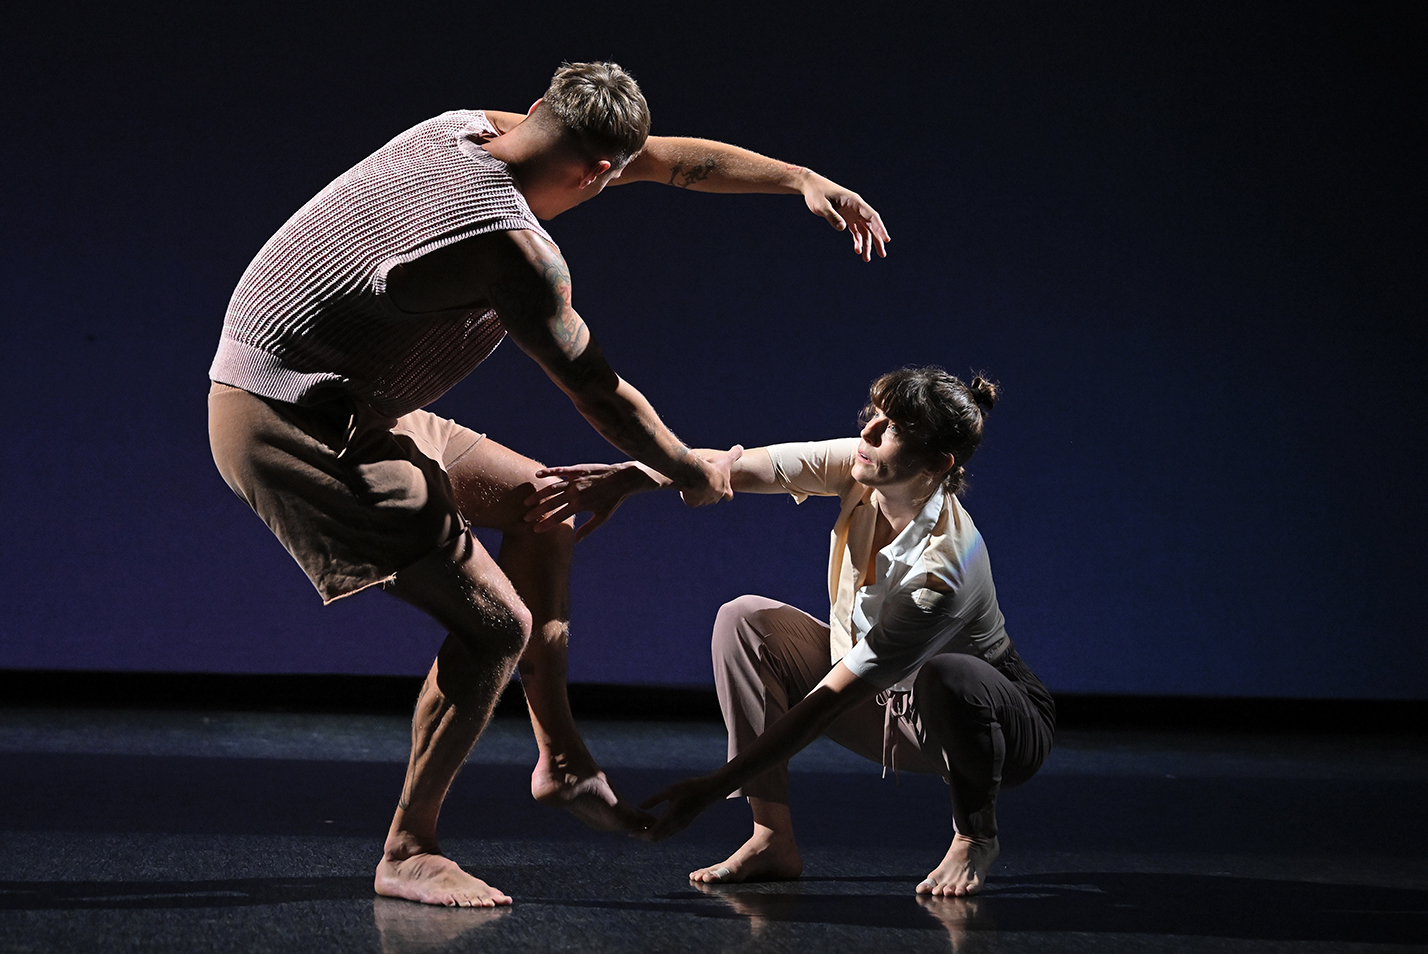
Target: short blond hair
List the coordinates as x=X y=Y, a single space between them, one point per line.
x=603 y=106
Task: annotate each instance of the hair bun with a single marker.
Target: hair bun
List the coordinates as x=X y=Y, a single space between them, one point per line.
x=984 y=392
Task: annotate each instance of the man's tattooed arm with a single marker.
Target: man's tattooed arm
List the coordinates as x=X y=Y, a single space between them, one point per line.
x=533 y=299
x=533 y=302
x=685 y=175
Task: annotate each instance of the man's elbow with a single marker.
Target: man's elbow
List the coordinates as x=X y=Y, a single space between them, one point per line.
x=589 y=382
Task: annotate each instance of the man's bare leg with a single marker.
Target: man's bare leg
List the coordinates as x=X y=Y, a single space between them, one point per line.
x=492 y=483
x=770 y=854
x=466 y=591
x=964 y=868
x=566 y=775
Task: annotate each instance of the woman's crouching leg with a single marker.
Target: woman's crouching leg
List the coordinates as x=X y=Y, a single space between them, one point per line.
x=767 y=656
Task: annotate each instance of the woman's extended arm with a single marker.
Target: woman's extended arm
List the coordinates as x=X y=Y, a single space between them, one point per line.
x=839 y=691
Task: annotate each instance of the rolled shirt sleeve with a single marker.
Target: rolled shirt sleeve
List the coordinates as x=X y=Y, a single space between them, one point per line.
x=814 y=468
x=913 y=625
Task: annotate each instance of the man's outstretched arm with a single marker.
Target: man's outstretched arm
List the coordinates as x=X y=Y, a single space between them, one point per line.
x=531 y=293
x=708 y=166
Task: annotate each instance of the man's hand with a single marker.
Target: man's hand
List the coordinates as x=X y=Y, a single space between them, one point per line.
x=597 y=489
x=719 y=485
x=845 y=209
x=687 y=801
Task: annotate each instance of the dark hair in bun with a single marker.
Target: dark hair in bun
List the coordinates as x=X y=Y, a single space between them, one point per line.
x=938 y=415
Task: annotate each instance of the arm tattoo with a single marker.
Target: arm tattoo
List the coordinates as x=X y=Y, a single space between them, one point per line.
x=529 y=300
x=685 y=176
x=570 y=332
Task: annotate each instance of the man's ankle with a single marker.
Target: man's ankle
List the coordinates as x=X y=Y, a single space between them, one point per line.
x=401 y=845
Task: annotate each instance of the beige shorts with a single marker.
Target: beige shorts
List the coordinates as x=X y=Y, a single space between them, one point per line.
x=352 y=495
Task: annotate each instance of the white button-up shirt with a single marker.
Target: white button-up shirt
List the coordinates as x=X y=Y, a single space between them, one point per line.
x=933 y=590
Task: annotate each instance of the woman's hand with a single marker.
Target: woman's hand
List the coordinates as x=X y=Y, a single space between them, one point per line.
x=687 y=801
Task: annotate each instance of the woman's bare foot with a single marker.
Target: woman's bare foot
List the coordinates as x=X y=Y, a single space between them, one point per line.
x=964 y=868
x=766 y=856
x=589 y=797
x=434 y=879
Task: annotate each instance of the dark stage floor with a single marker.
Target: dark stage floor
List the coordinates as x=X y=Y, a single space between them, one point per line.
x=174 y=831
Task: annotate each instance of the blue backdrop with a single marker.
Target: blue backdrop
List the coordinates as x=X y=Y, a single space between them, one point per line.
x=1186 y=238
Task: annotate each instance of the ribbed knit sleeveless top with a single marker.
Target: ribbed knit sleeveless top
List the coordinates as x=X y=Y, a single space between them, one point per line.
x=311 y=318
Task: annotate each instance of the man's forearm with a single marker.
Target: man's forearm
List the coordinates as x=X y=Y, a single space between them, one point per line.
x=628 y=421
x=708 y=166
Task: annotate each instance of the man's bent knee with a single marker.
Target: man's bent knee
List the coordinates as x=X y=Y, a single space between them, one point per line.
x=463 y=590
x=497 y=628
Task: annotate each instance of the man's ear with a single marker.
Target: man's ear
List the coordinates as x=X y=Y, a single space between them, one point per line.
x=534 y=105
x=594 y=171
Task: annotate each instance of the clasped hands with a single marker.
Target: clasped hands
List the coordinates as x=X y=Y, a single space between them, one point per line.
x=599 y=489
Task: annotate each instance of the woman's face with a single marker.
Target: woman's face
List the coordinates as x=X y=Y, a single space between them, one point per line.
x=883 y=459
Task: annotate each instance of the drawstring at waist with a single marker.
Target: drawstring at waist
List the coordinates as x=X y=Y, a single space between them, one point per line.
x=897 y=704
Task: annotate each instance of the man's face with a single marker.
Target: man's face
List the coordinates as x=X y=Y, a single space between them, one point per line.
x=883 y=458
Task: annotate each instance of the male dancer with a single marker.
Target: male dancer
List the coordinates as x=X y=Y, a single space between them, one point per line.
x=375 y=298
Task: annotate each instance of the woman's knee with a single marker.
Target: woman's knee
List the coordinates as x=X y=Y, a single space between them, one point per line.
x=731 y=629
x=954 y=683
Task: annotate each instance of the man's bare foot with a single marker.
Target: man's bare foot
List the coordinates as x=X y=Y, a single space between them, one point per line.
x=435 y=879
x=964 y=868
x=590 y=798
x=766 y=856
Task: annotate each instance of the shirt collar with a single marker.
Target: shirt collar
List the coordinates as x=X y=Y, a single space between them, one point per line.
x=916 y=533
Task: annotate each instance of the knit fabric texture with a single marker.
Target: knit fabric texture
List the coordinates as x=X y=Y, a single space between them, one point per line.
x=311 y=319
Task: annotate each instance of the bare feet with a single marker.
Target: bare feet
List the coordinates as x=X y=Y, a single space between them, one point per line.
x=766 y=856
x=589 y=797
x=434 y=879
x=964 y=868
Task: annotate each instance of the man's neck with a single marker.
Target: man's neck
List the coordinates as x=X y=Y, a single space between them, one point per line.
x=540 y=165
x=514 y=148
